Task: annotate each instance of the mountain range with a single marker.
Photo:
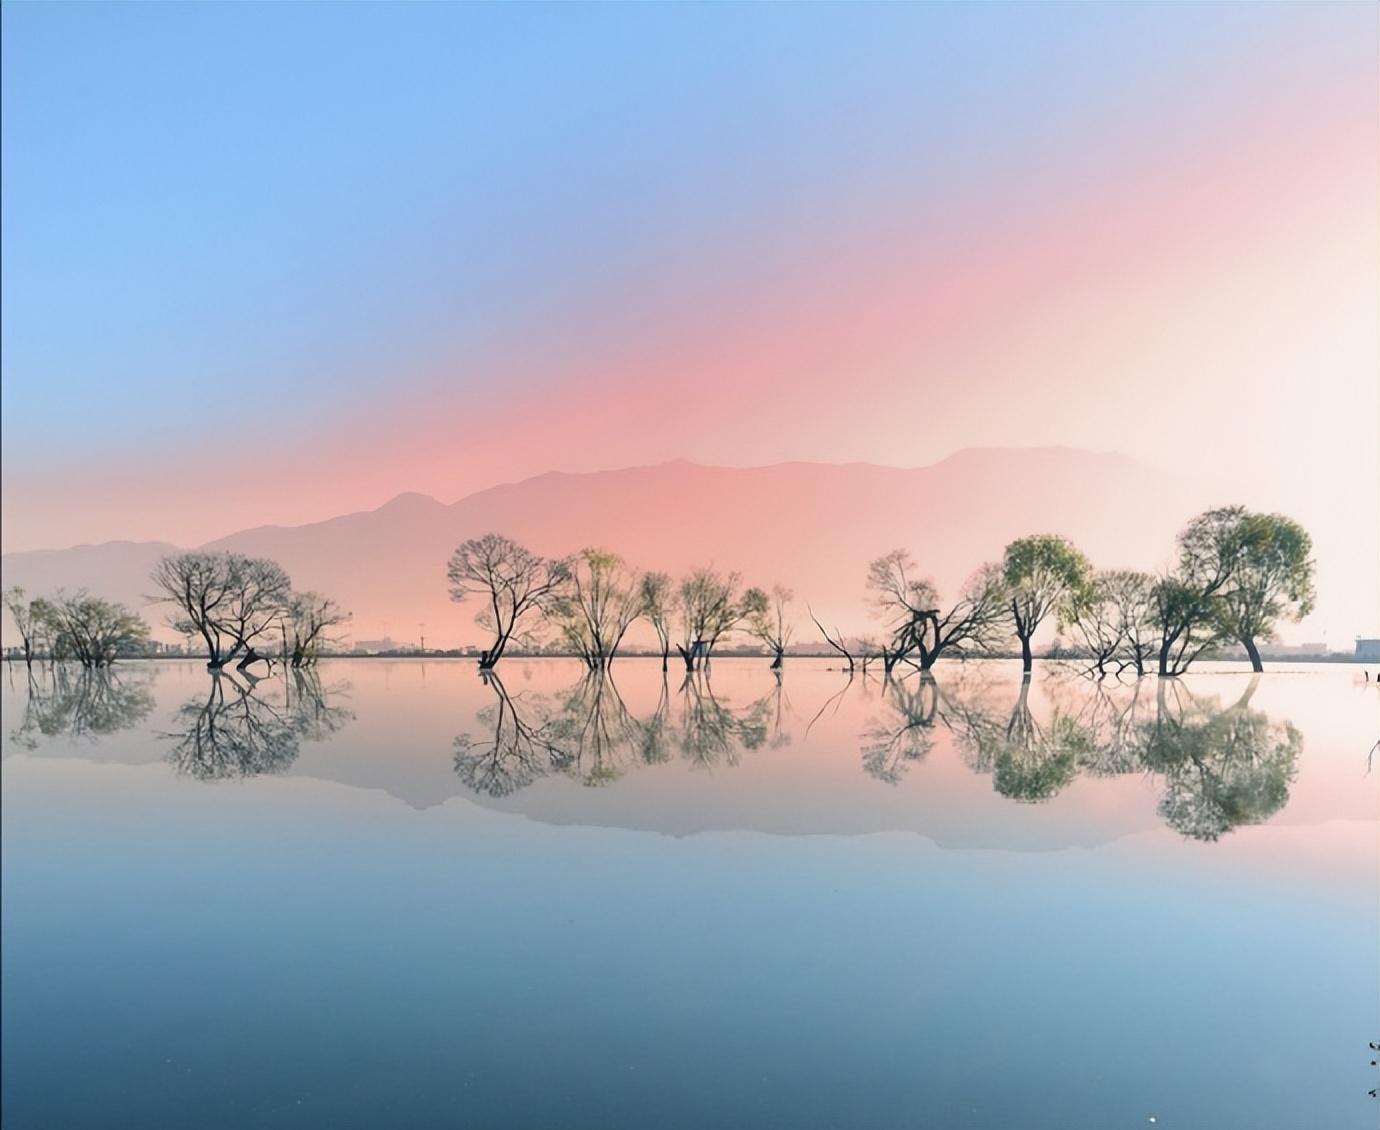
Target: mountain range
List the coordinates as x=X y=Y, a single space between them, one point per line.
x=810 y=526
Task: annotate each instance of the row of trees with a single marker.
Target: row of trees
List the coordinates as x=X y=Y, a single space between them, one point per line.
x=594 y=597
x=1237 y=573
x=75 y=627
x=241 y=606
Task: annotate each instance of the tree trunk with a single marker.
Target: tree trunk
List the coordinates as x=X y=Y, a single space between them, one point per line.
x=1164 y=657
x=250 y=658
x=1253 y=652
x=1026 y=661
x=776 y=662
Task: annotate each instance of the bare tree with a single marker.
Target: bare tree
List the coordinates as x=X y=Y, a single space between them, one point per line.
x=1095 y=618
x=1133 y=596
x=710 y=608
x=768 y=622
x=834 y=640
x=921 y=631
x=22 y=612
x=657 y=601
x=227 y=599
x=308 y=625
x=597 y=606
x=259 y=596
x=513 y=582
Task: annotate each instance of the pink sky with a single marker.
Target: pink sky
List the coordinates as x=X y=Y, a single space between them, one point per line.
x=1188 y=276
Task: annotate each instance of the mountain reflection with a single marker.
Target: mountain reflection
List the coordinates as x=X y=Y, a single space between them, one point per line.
x=1217 y=767
x=80 y=703
x=244 y=727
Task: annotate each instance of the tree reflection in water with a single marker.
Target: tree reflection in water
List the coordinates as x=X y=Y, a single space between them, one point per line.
x=905 y=735
x=588 y=733
x=80 y=703
x=1221 y=768
x=242 y=727
x=1218 y=767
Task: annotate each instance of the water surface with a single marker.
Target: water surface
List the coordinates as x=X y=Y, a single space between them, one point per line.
x=393 y=893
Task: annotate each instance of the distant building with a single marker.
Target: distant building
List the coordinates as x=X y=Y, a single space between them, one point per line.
x=1368 y=650
x=385 y=644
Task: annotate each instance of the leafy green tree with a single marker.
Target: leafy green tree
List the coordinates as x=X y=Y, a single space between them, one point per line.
x=1273 y=579
x=597 y=605
x=1188 y=603
x=94 y=632
x=1043 y=573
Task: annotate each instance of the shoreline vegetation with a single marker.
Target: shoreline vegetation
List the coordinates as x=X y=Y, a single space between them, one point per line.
x=1236 y=575
x=472 y=655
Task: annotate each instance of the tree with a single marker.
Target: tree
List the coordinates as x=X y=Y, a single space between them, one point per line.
x=767 y=621
x=307 y=625
x=710 y=608
x=228 y=599
x=22 y=612
x=836 y=641
x=1095 y=620
x=1273 y=579
x=93 y=632
x=919 y=627
x=657 y=600
x=1042 y=573
x=1132 y=595
x=597 y=606
x=512 y=580
x=1187 y=604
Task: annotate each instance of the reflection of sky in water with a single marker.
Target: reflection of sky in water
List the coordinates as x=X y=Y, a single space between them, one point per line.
x=357 y=939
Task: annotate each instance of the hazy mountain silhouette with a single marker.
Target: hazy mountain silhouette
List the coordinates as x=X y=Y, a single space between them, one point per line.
x=809 y=525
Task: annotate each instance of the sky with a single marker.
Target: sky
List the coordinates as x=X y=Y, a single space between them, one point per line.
x=271 y=263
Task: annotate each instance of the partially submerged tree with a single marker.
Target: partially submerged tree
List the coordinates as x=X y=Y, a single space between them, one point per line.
x=1273 y=579
x=835 y=640
x=1133 y=595
x=597 y=606
x=1188 y=603
x=229 y=600
x=922 y=631
x=768 y=622
x=512 y=582
x=94 y=632
x=21 y=611
x=1042 y=574
x=710 y=607
x=260 y=595
x=658 y=598
x=308 y=626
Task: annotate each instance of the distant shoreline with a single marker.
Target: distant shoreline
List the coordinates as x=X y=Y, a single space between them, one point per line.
x=675 y=663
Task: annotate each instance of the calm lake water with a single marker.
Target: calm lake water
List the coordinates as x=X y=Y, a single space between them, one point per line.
x=395 y=895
